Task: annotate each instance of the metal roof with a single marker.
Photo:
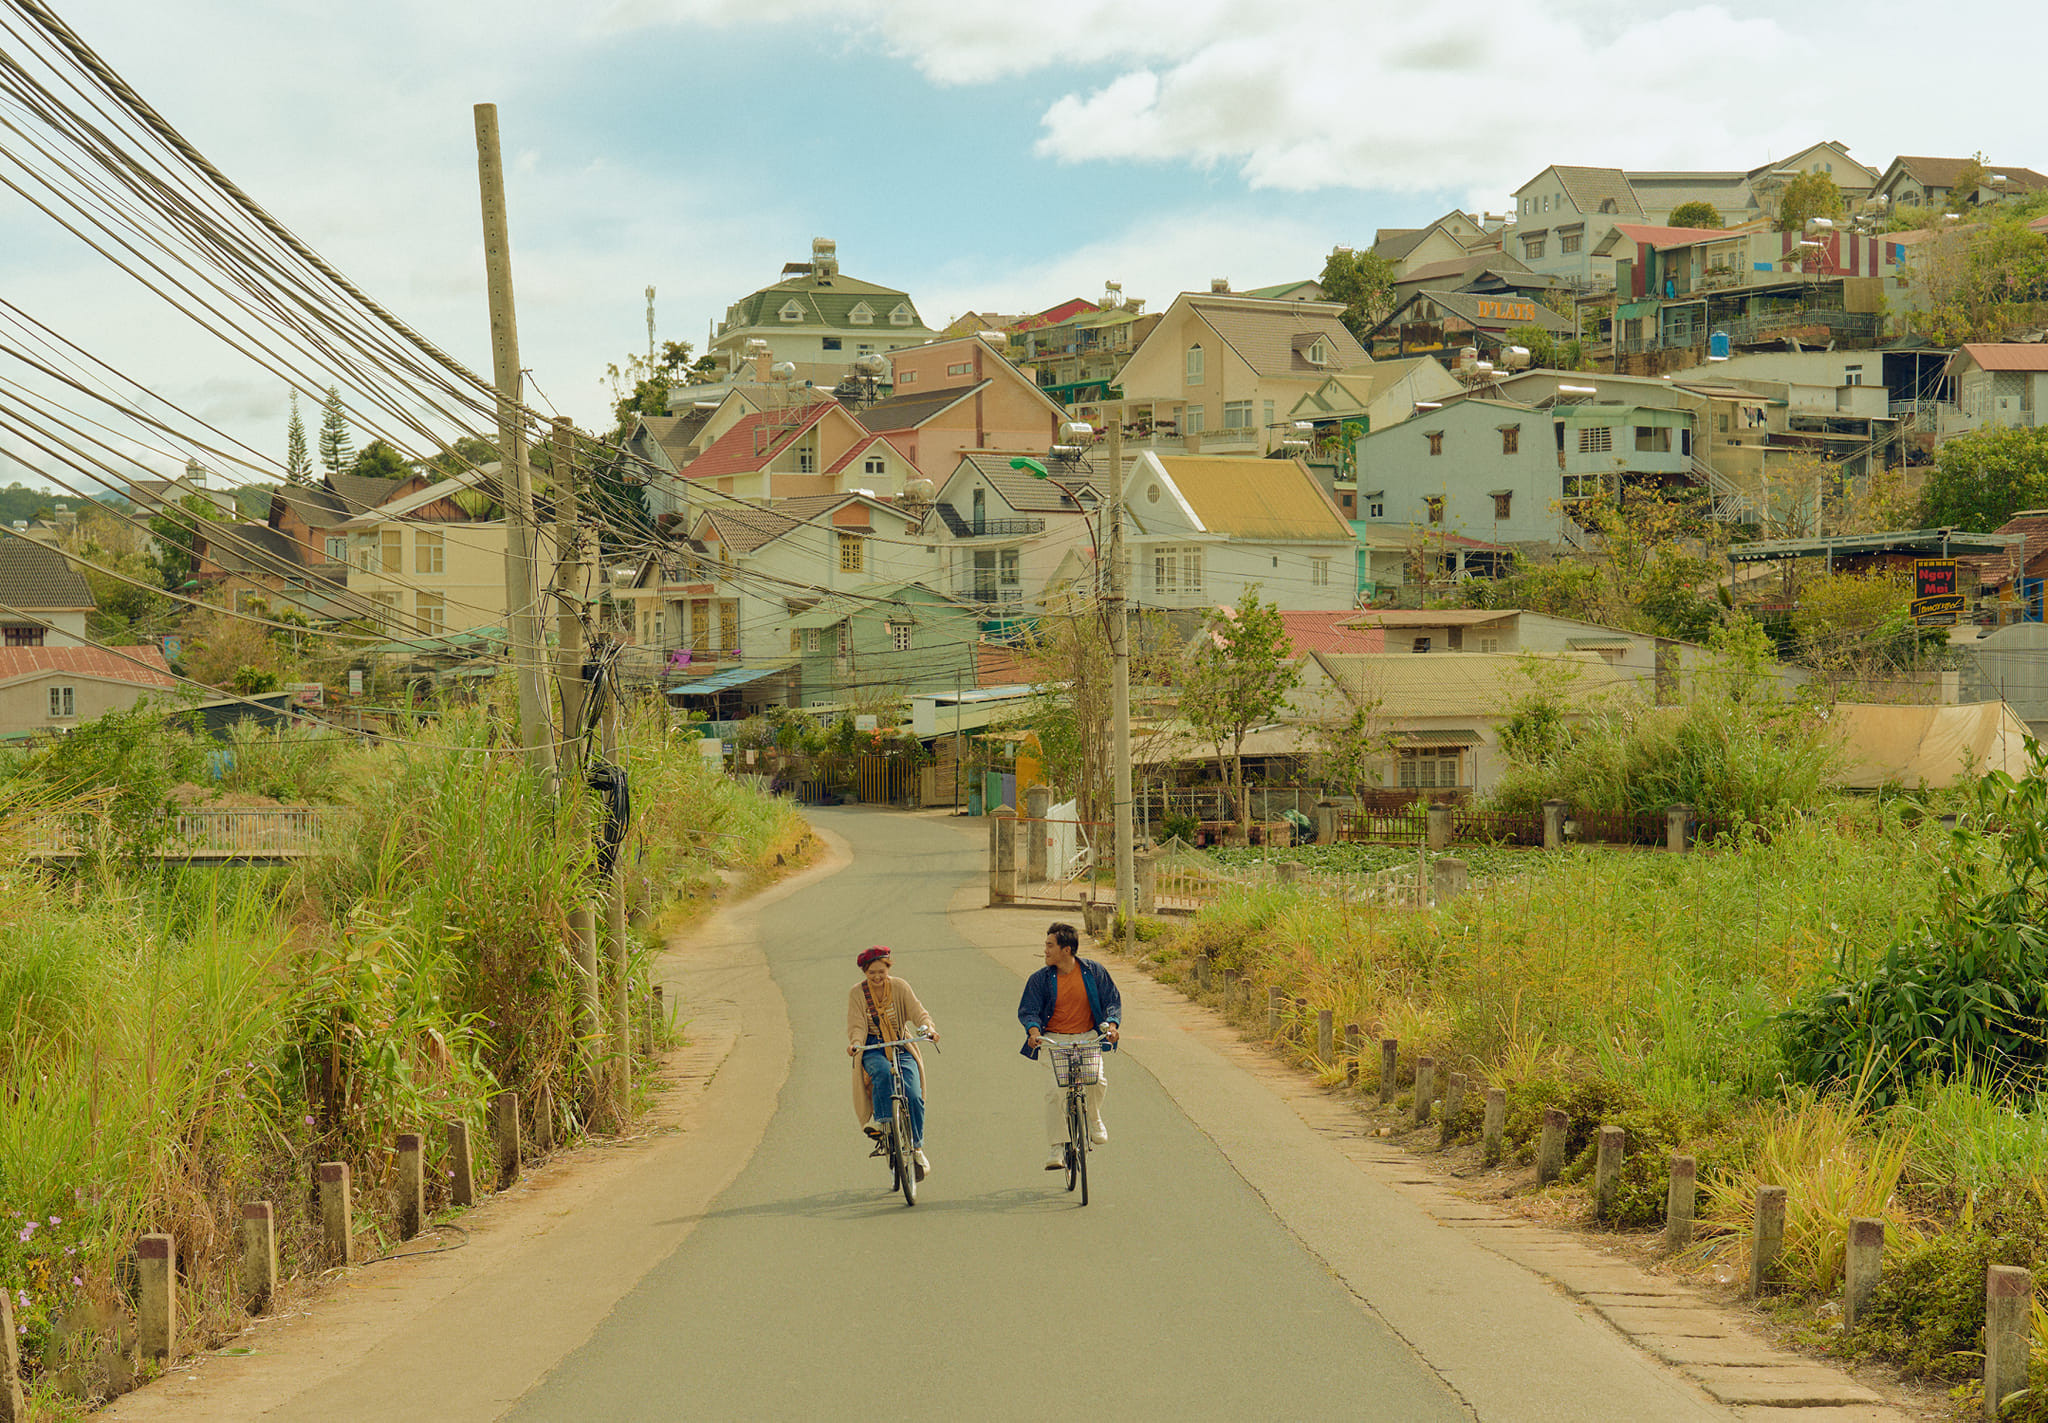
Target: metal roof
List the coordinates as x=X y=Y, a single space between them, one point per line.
x=724 y=681
x=1926 y=543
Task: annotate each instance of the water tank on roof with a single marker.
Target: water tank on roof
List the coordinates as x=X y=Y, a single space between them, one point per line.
x=1514 y=358
x=1468 y=357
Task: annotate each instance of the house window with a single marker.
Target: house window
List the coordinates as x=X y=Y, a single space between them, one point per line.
x=1532 y=247
x=829 y=343
x=1595 y=439
x=1319 y=573
x=1376 y=504
x=1510 y=439
x=391 y=550
x=873 y=465
x=1567 y=242
x=363 y=556
x=387 y=605
x=1319 y=353
x=1421 y=645
x=248 y=600
x=427 y=554
x=337 y=548
x=1430 y=768
x=1654 y=438
x=960 y=368
x=900 y=316
x=1501 y=501
x=63 y=702
x=1436 y=441
x=1721 y=423
x=1177 y=570
x=1348 y=502
x=728 y=625
x=852 y=553
x=430 y=611
x=1194 y=365
x=862 y=315
x=1237 y=414
x=843 y=646
x=1195 y=419
x=1852 y=375
x=1436 y=508
x=806 y=460
x=907 y=378
x=1489 y=644
x=1581 y=486
x=899 y=636
x=24 y=637
x=791 y=312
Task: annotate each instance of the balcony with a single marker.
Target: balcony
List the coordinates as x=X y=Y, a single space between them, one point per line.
x=976 y=588
x=1001 y=528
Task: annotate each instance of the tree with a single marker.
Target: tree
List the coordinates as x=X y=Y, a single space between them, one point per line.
x=1546 y=351
x=380 y=461
x=337 y=449
x=1808 y=195
x=179 y=534
x=298 y=466
x=1969 y=178
x=1350 y=751
x=1237 y=680
x=1983 y=478
x=641 y=387
x=1697 y=213
x=1364 y=282
x=1980 y=281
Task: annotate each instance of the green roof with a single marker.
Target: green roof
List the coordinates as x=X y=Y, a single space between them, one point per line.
x=829 y=303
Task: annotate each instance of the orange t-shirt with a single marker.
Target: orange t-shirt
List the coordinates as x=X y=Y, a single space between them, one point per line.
x=1070 y=1012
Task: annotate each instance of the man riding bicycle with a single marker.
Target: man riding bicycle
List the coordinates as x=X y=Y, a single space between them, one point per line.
x=1066 y=1003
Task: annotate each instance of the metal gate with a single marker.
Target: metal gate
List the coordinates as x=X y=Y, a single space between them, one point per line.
x=880 y=780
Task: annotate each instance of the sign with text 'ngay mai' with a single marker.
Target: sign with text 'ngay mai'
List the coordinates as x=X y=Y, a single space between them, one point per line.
x=1936 y=603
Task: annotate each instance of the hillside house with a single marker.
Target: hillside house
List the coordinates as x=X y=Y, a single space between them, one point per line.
x=1001 y=532
x=2000 y=385
x=47 y=601
x=884 y=640
x=58 y=688
x=961 y=395
x=432 y=563
x=1201 y=529
x=819 y=320
x=1931 y=183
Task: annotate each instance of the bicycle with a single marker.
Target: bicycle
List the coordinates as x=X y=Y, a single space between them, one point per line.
x=1076 y=1067
x=896 y=1142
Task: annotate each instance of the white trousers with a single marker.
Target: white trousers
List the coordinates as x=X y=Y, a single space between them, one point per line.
x=1056 y=1095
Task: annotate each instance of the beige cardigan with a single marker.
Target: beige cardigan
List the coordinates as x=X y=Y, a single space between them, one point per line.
x=902 y=1007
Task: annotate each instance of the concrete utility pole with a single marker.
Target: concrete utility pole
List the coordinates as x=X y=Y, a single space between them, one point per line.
x=615 y=931
x=522 y=614
x=1120 y=681
x=572 y=585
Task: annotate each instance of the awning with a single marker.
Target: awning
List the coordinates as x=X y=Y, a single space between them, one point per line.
x=1439 y=738
x=724 y=681
x=823 y=616
x=1592 y=644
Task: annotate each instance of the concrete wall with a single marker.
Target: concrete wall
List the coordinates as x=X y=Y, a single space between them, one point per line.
x=25 y=704
x=472 y=577
x=2010 y=664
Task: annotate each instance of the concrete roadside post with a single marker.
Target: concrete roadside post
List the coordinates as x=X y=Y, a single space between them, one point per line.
x=1553 y=825
x=1436 y=821
x=1145 y=867
x=1390 y=1068
x=1607 y=1170
x=1680 y=1199
x=1002 y=881
x=1326 y=823
x=2008 y=1328
x=12 y=1408
x=1550 y=1146
x=412 y=1186
x=1202 y=971
x=1495 y=1125
x=1678 y=829
x=1293 y=872
x=1353 y=1035
x=1449 y=879
x=505 y=1135
x=544 y=1104
x=1326 y=1036
x=337 y=1213
x=1454 y=1103
x=1425 y=1089
x=1275 y=1002
x=156 y=1296
x=461 y=1165
x=259 y=1257
x=1229 y=989
x=1037 y=804
x=1767 y=1237
x=1861 y=1268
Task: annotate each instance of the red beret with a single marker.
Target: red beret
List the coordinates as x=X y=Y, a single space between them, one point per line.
x=868 y=956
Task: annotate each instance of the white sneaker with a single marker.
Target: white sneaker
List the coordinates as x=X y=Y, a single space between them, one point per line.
x=924 y=1167
x=1100 y=1136
x=1057 y=1161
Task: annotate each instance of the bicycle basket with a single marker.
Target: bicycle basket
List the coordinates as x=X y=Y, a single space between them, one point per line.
x=1076 y=1064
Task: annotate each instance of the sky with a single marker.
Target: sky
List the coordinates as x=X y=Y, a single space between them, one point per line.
x=980 y=154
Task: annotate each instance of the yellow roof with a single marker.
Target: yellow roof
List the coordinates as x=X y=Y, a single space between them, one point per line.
x=1256 y=498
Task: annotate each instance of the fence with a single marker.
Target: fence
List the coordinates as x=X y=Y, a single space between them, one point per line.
x=264 y=833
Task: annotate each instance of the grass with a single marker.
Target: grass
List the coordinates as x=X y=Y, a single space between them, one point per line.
x=174 y=1044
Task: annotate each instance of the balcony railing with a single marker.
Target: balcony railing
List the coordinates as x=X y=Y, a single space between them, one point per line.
x=1003 y=528
x=988 y=590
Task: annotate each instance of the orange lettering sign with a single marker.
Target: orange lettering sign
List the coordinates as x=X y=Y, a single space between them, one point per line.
x=1507 y=310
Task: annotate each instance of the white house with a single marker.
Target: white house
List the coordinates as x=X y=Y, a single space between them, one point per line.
x=1002 y=532
x=1203 y=528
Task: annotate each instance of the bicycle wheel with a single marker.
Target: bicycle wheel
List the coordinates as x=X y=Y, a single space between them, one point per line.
x=1081 y=1155
x=906 y=1162
x=1076 y=1139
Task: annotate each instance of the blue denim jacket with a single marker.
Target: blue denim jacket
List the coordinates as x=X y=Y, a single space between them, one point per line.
x=1042 y=991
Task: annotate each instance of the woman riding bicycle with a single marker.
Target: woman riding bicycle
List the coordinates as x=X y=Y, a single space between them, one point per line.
x=881 y=1009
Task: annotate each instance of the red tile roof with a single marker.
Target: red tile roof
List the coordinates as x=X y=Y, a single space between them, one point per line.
x=862 y=448
x=1326 y=632
x=736 y=452
x=2010 y=355
x=111 y=663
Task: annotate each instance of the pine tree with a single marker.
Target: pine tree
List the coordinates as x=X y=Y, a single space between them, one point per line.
x=298 y=465
x=337 y=450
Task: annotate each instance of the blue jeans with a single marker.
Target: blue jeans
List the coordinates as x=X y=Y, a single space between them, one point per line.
x=876 y=1061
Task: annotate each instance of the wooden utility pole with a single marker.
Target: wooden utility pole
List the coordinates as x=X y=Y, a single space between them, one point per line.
x=572 y=589
x=522 y=614
x=1120 y=682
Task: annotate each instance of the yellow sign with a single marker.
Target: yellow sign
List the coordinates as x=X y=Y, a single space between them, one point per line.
x=1506 y=310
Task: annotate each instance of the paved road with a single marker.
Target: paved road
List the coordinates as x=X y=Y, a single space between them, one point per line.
x=808 y=1291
